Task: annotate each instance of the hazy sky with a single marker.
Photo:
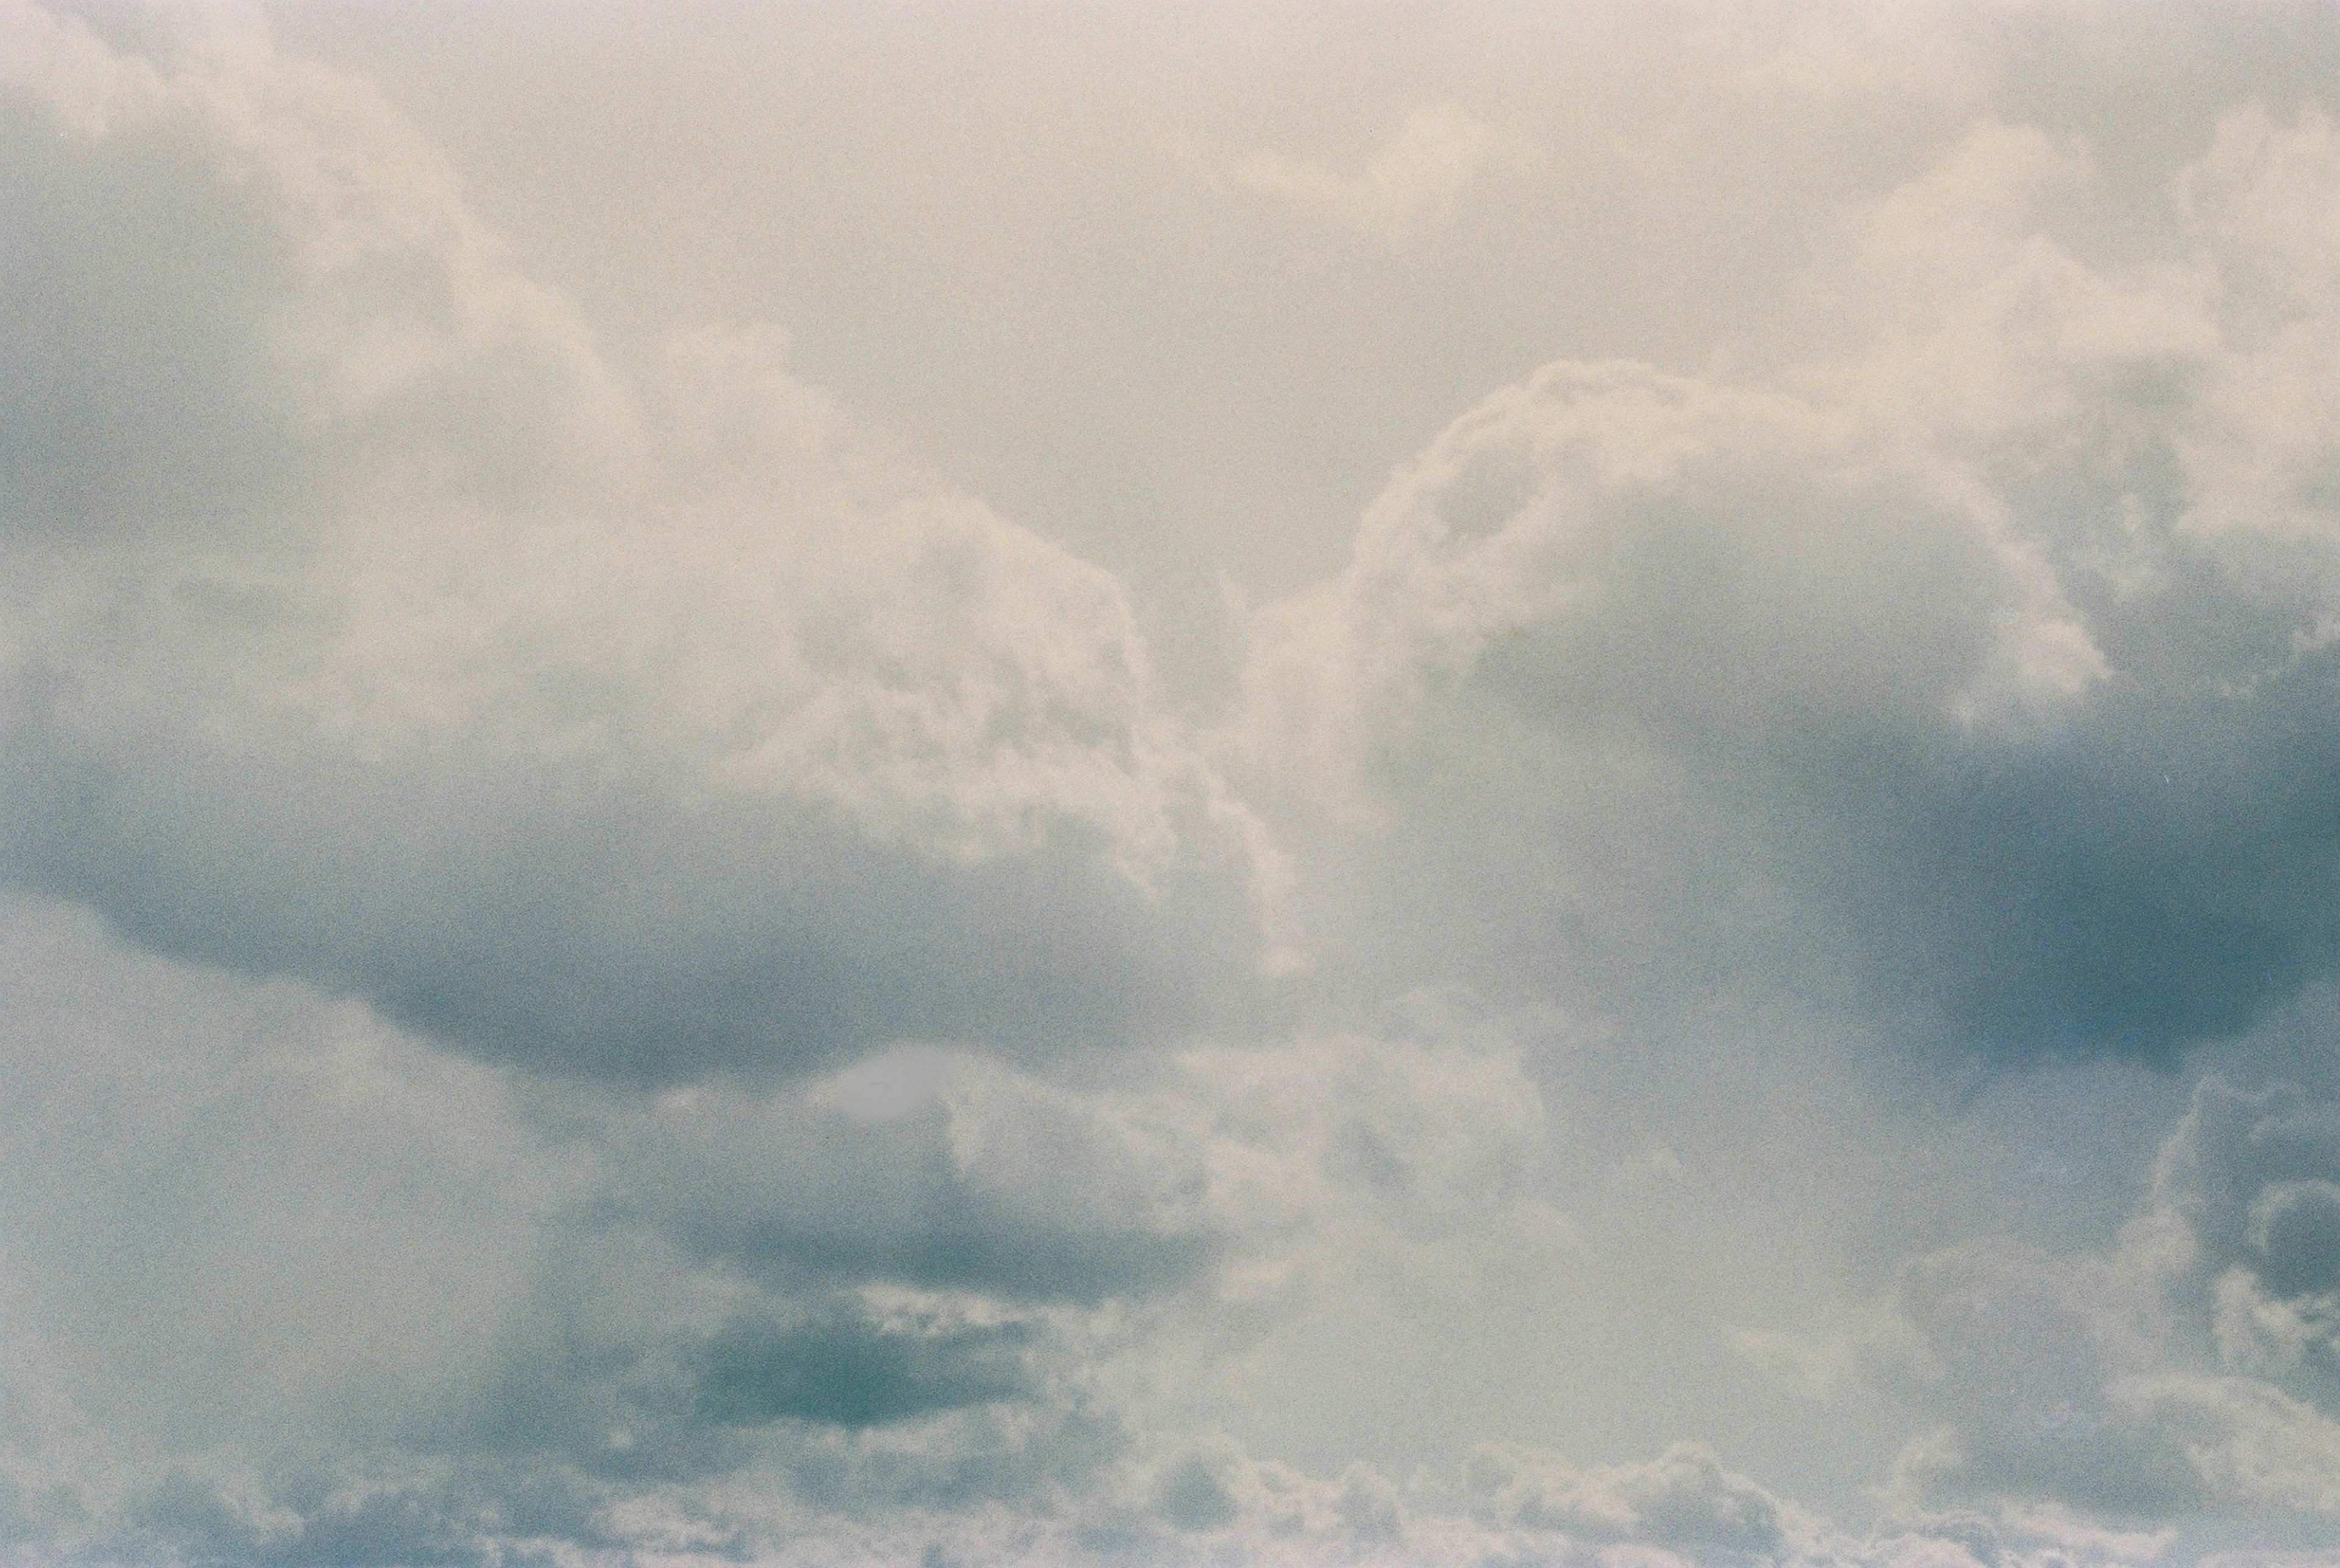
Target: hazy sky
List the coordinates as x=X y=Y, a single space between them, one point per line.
x=948 y=785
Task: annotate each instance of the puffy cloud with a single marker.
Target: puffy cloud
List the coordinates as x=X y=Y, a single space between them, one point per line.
x=2251 y=1176
x=991 y=1182
x=1684 y=1499
x=365 y=623
x=246 y=292
x=2187 y=1369
x=724 y=1313
x=569 y=894
x=1973 y=662
x=1605 y=540
x=2026 y=1357
x=721 y=1321
x=2250 y=1443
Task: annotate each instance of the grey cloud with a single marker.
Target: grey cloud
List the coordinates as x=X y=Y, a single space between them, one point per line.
x=245 y=293
x=600 y=971
x=1986 y=660
x=1191 y=1494
x=822 y=1398
x=994 y=1186
x=1206 y=1503
x=2251 y=1442
x=2249 y=1171
x=366 y=626
x=2023 y=1358
x=2295 y=1232
x=197 y=1161
x=122 y=330
x=981 y=1179
x=1369 y=1504
x=387 y=1511
x=2156 y=877
x=2186 y=1370
x=839 y=1369
x=2252 y=1178
x=383 y=1526
x=889 y=1288
x=198 y=1167
x=608 y=940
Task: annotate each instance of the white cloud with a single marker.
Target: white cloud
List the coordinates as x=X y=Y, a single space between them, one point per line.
x=356 y=581
x=1414 y=181
x=1684 y=1499
x=1551 y=532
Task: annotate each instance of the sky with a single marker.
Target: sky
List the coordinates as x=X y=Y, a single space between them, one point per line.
x=1327 y=786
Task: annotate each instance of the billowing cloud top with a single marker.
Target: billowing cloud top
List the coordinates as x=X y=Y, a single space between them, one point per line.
x=825 y=790
x=629 y=725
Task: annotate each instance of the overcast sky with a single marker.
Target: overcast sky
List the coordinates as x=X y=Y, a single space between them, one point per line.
x=1091 y=784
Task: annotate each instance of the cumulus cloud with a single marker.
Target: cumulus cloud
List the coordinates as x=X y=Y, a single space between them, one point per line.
x=558 y=1310
x=2187 y=1369
x=366 y=624
x=1959 y=635
x=1684 y=1499
x=599 y=969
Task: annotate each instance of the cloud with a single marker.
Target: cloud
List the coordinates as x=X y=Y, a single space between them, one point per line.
x=2250 y=1443
x=995 y=1183
x=365 y=624
x=2186 y=1370
x=598 y=970
x=595 y=1316
x=1413 y=183
x=2252 y=1176
x=2026 y=1357
x=1683 y=1500
x=1969 y=663
x=843 y=1371
x=553 y=1323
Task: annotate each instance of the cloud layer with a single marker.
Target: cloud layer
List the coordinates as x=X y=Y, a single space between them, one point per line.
x=603 y=963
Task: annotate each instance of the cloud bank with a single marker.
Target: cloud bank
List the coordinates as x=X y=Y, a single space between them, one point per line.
x=607 y=963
